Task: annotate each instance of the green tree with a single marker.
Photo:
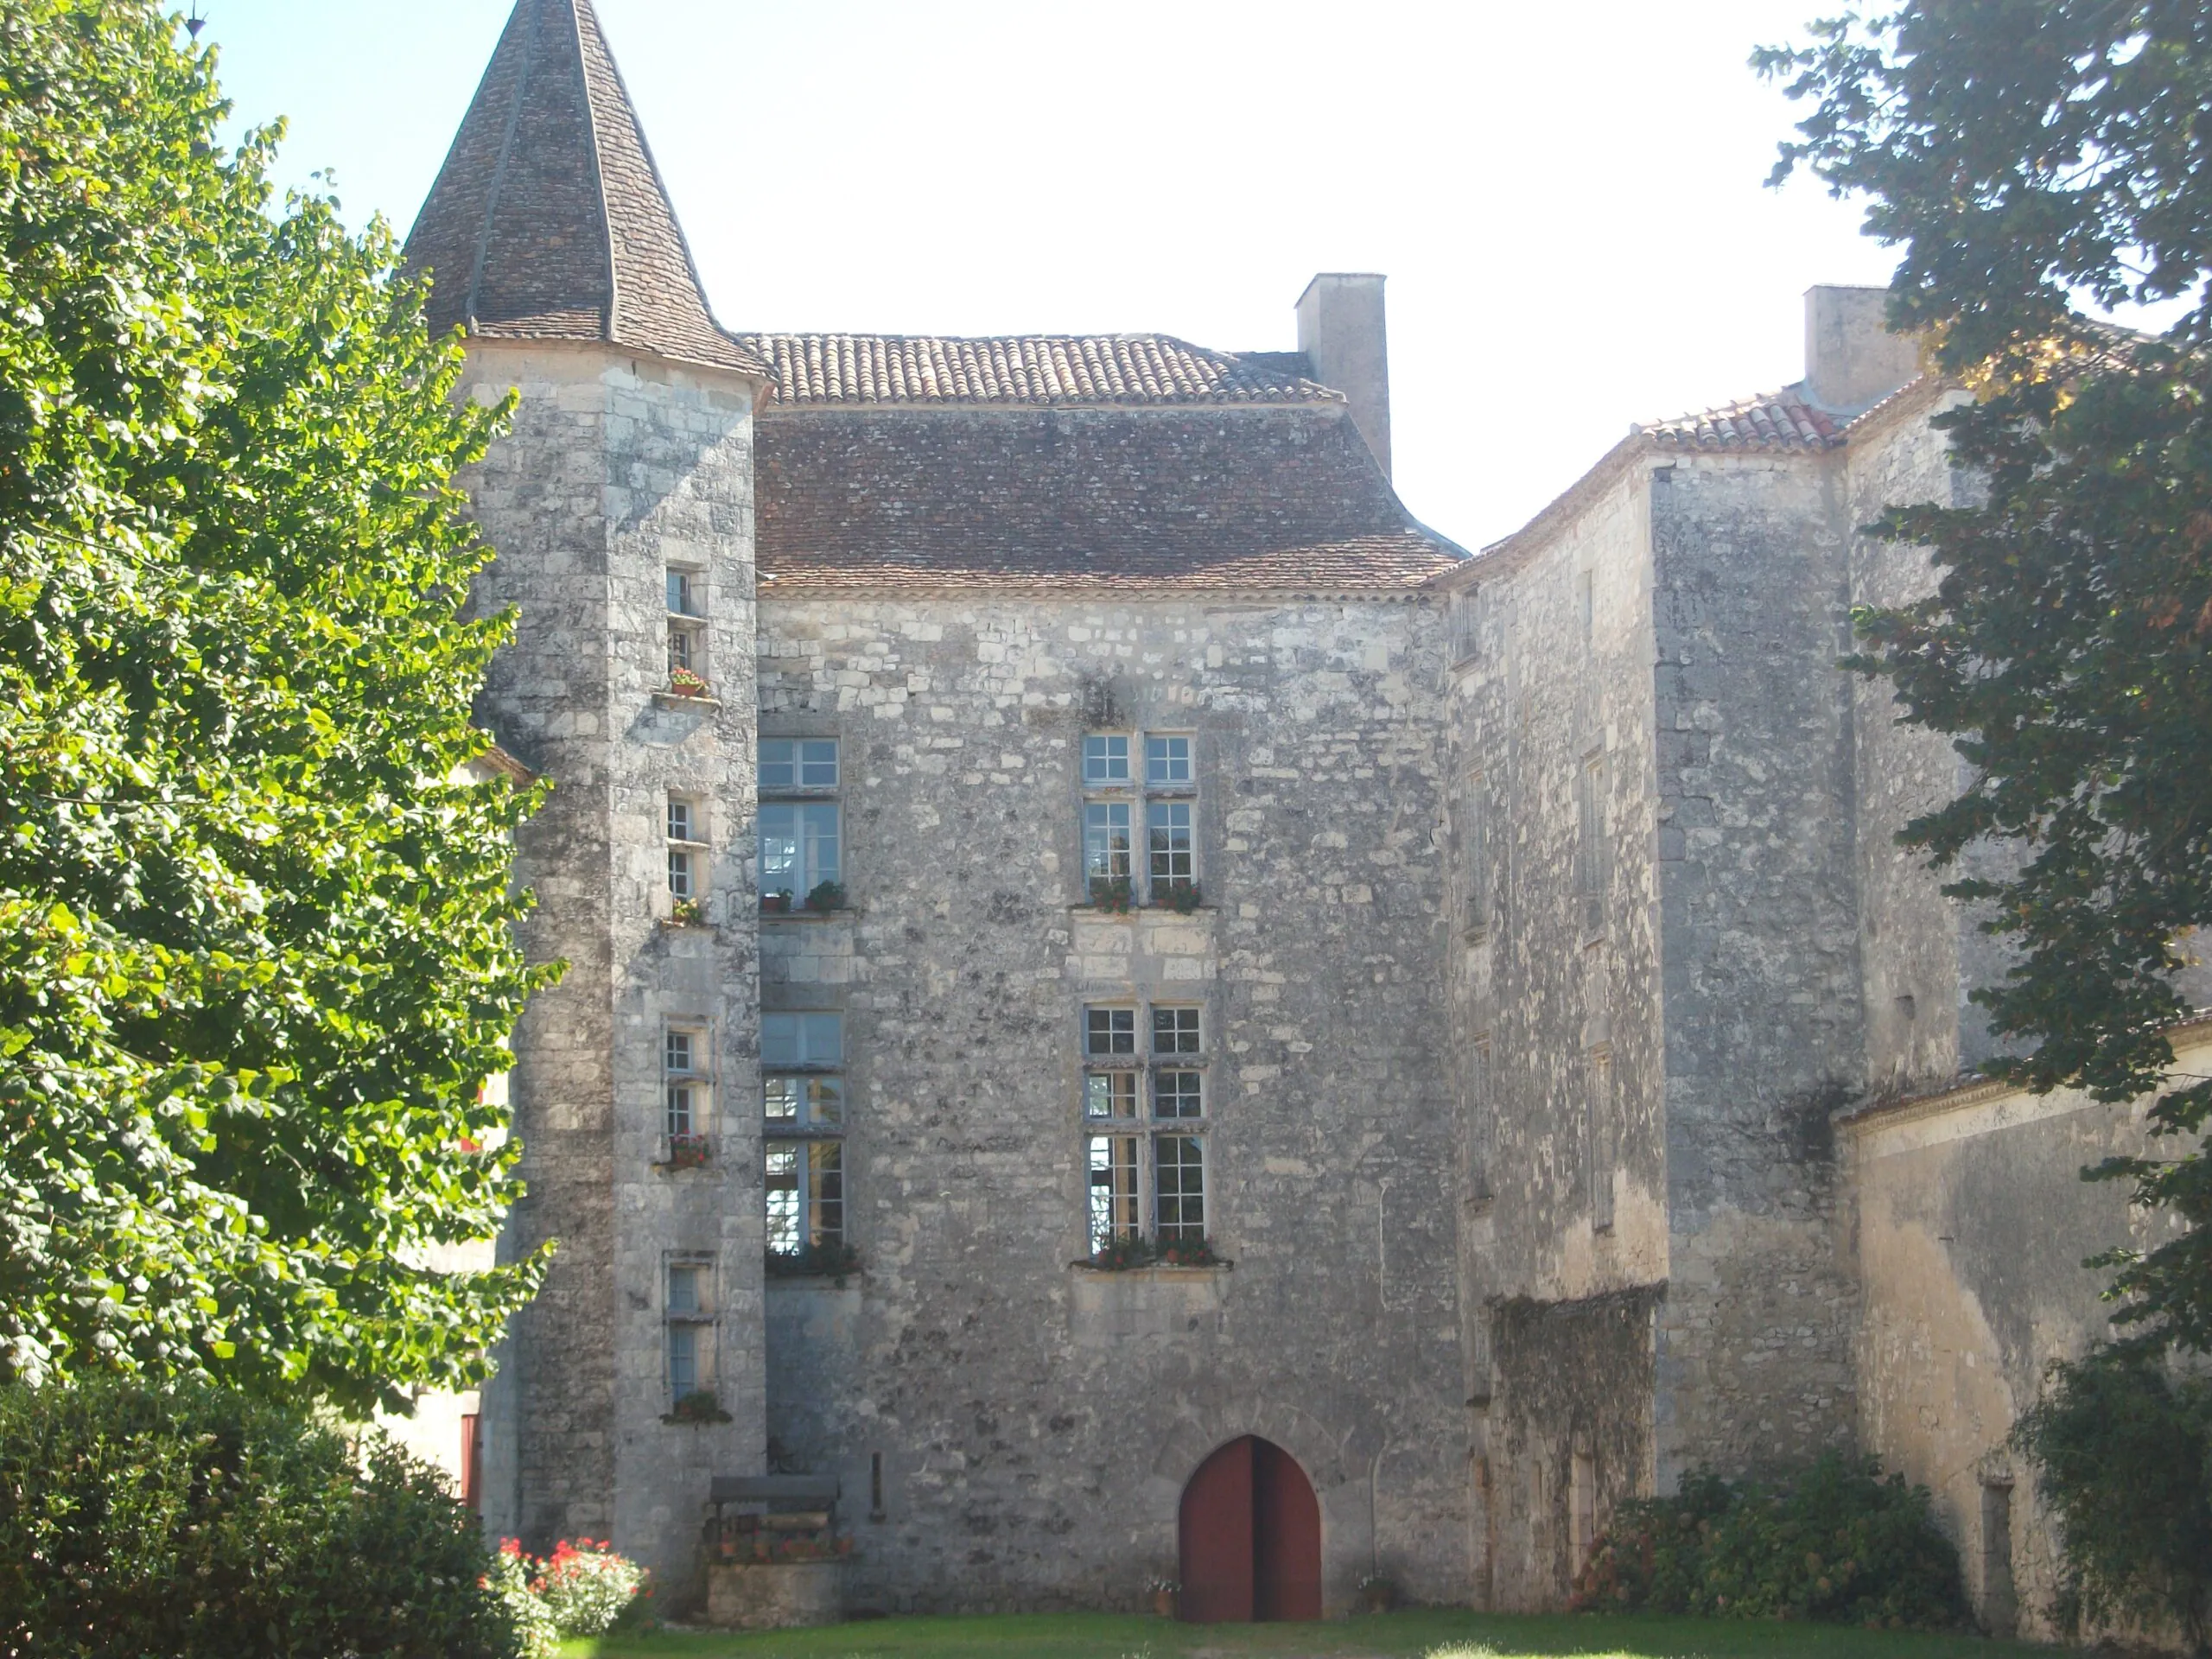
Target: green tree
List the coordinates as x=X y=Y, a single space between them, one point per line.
x=2030 y=156
x=256 y=950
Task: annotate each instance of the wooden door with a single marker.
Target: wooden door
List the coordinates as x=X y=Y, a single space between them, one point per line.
x=1250 y=1537
x=1216 y=1532
x=1285 y=1537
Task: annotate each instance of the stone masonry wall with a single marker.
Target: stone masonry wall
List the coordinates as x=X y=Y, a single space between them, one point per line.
x=1761 y=988
x=616 y=467
x=1035 y=1419
x=1554 y=977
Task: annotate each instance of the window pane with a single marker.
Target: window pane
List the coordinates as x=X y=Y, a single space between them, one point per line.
x=682 y=1359
x=1109 y=1031
x=779 y=1040
x=679 y=821
x=1174 y=1031
x=826 y=1192
x=683 y=593
x=679 y=648
x=779 y=859
x=825 y=1100
x=779 y=1174
x=779 y=763
x=683 y=1290
x=681 y=1116
x=1105 y=760
x=1167 y=760
x=1176 y=1094
x=817 y=763
x=679 y=873
x=1179 y=1172
x=1113 y=1188
x=1168 y=826
x=679 y=1052
x=1106 y=840
x=782 y=1098
x=818 y=832
x=1109 y=1094
x=802 y=1038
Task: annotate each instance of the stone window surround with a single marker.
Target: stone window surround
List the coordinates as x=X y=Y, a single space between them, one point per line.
x=688 y=853
x=1139 y=789
x=698 y=1315
x=1137 y=1134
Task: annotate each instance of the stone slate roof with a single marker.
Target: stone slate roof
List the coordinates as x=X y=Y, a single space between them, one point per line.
x=875 y=370
x=1777 y=420
x=1222 y=499
x=549 y=219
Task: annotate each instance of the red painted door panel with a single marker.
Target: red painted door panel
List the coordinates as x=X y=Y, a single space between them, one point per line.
x=1285 y=1537
x=1215 y=1527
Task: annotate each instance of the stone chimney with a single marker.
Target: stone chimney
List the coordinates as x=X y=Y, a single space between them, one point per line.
x=1851 y=359
x=1341 y=331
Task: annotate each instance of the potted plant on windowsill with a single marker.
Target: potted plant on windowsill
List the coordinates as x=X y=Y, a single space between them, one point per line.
x=687 y=912
x=689 y=1151
x=1110 y=893
x=1181 y=897
x=776 y=904
x=687 y=682
x=826 y=896
x=1119 y=1254
x=836 y=1262
x=700 y=1406
x=1191 y=1253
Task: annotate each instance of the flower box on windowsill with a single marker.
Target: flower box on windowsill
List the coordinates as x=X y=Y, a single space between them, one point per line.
x=1145 y=1256
x=834 y=1262
x=684 y=1152
x=686 y=690
x=700 y=1406
x=686 y=913
x=1181 y=897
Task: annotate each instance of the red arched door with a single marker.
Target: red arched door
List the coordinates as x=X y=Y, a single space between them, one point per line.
x=1250 y=1533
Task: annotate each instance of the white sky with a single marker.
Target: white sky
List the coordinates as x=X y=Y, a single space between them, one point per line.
x=1568 y=198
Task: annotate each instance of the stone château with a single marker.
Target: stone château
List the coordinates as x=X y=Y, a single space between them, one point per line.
x=1135 y=1012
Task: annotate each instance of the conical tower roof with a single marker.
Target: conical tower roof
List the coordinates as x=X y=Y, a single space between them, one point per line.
x=549 y=219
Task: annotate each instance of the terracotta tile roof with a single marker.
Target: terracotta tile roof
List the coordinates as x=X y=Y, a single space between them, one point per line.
x=1777 y=420
x=876 y=370
x=549 y=219
x=1222 y=499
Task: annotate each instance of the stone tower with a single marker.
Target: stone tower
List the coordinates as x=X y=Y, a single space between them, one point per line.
x=621 y=510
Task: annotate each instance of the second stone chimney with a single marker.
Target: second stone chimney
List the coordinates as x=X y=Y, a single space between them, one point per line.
x=1851 y=359
x=1340 y=332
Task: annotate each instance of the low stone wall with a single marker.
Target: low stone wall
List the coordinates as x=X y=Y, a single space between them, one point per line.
x=774 y=1595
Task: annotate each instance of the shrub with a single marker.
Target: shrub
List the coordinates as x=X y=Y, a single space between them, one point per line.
x=2123 y=1455
x=200 y=1524
x=1834 y=1541
x=511 y=1578
x=584 y=1588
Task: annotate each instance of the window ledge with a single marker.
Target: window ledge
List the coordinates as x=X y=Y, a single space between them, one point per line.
x=803 y=914
x=1155 y=1269
x=1132 y=911
x=664 y=698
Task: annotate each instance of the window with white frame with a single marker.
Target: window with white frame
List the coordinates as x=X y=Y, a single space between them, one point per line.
x=687 y=627
x=688 y=1324
x=687 y=855
x=803 y=1111
x=1140 y=819
x=1144 y=1122
x=800 y=862
x=684 y=1086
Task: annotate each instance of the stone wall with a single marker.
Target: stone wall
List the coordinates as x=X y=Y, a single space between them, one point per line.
x=1973 y=1223
x=1034 y=1420
x=1761 y=988
x=616 y=467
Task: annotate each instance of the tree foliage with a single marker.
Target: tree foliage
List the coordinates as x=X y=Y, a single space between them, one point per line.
x=2027 y=154
x=199 y=1523
x=256 y=954
x=2124 y=1459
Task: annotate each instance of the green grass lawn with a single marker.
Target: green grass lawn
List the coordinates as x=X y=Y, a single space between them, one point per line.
x=1425 y=1634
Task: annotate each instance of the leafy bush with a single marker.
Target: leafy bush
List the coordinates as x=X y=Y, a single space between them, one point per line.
x=510 y=1579
x=2123 y=1454
x=1834 y=1541
x=200 y=1524
x=582 y=1589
